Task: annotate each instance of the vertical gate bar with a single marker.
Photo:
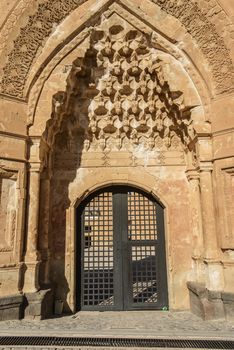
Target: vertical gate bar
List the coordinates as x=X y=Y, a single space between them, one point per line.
x=126 y=260
x=82 y=256
x=92 y=256
x=162 y=256
x=117 y=243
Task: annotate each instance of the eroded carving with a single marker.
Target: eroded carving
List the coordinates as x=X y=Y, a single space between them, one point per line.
x=211 y=44
x=39 y=26
x=49 y=13
x=134 y=104
x=227 y=207
x=118 y=99
x=7 y=209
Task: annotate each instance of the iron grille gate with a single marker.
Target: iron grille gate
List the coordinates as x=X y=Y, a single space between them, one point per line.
x=121 y=252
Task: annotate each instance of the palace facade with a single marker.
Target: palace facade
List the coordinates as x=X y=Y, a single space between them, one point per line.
x=116 y=156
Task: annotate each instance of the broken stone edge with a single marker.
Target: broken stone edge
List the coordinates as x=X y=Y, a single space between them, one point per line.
x=38 y=305
x=210 y=305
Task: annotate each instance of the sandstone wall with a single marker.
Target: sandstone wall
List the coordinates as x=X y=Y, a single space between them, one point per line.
x=61 y=135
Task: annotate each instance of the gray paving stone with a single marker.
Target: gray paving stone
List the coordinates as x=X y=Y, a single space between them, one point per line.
x=127 y=324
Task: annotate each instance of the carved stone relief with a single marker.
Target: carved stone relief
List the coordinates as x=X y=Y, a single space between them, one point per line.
x=134 y=104
x=118 y=99
x=49 y=13
x=76 y=44
x=7 y=209
x=11 y=22
x=27 y=44
x=210 y=43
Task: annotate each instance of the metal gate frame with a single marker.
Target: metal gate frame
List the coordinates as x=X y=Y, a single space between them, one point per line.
x=123 y=277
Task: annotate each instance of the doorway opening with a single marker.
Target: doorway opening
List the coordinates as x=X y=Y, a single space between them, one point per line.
x=121 y=260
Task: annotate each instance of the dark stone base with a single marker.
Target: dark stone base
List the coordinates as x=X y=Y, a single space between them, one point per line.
x=39 y=305
x=228 y=302
x=210 y=305
x=11 y=307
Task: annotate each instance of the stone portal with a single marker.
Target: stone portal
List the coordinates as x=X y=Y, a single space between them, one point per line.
x=124 y=94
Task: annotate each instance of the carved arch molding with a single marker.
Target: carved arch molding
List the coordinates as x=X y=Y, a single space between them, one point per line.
x=41 y=24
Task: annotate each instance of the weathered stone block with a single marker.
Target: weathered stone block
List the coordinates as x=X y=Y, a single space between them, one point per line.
x=11 y=307
x=197 y=292
x=215 y=309
x=228 y=302
x=39 y=305
x=205 y=303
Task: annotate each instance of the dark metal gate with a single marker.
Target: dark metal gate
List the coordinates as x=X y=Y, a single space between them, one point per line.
x=121 y=262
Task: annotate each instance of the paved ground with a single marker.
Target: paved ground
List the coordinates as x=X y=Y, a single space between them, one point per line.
x=126 y=324
x=90 y=348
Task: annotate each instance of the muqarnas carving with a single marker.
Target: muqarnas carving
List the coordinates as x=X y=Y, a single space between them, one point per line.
x=117 y=97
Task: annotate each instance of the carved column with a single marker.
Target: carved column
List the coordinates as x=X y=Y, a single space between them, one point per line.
x=208 y=214
x=44 y=229
x=196 y=212
x=211 y=248
x=32 y=258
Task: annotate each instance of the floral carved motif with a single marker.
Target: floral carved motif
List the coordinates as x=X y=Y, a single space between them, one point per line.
x=27 y=44
x=211 y=44
x=11 y=22
x=52 y=12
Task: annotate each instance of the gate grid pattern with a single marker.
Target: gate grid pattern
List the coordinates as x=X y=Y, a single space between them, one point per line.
x=122 y=256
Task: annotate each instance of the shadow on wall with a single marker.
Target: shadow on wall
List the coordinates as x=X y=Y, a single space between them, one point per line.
x=64 y=136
